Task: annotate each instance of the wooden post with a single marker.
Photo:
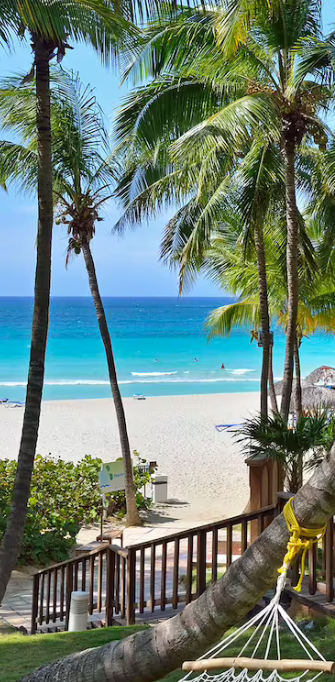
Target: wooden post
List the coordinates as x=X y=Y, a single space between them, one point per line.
x=69 y=588
x=110 y=559
x=131 y=586
x=201 y=562
x=329 y=562
x=34 y=610
x=189 y=569
x=258 y=475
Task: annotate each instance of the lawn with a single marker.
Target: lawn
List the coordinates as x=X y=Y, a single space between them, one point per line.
x=20 y=654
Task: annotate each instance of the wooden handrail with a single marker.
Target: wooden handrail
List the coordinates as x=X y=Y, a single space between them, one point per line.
x=231 y=521
x=122 y=551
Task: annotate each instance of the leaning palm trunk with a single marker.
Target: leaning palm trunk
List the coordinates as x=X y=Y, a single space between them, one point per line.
x=133 y=518
x=11 y=544
x=152 y=654
x=292 y=271
x=272 y=391
x=264 y=308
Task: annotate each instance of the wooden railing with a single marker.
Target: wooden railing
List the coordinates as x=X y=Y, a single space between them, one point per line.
x=176 y=569
x=102 y=573
x=163 y=574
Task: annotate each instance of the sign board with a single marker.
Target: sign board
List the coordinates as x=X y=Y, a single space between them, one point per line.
x=111 y=477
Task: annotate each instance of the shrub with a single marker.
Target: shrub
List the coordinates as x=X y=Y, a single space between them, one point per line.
x=64 y=496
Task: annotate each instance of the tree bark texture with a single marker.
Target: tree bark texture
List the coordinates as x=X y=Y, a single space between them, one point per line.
x=298 y=392
x=264 y=308
x=272 y=392
x=151 y=654
x=292 y=272
x=133 y=518
x=11 y=544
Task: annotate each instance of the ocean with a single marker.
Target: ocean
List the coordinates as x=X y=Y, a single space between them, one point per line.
x=160 y=347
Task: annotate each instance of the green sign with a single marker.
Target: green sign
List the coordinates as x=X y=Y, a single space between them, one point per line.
x=111 y=477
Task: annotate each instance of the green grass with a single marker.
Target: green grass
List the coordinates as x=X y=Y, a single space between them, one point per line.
x=20 y=654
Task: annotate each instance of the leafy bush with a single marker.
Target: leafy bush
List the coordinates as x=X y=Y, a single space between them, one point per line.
x=64 y=496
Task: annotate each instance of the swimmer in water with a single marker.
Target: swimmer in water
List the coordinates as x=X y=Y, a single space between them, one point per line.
x=196 y=360
x=222 y=366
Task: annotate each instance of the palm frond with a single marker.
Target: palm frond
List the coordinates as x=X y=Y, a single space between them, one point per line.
x=223 y=320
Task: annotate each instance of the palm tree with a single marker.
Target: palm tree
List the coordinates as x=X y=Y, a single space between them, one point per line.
x=82 y=178
x=272 y=64
x=296 y=448
x=49 y=26
x=205 y=186
x=232 y=271
x=151 y=654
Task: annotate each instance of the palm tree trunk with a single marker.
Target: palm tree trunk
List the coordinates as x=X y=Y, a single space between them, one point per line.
x=272 y=392
x=11 y=544
x=133 y=518
x=298 y=408
x=292 y=270
x=153 y=653
x=264 y=308
x=298 y=393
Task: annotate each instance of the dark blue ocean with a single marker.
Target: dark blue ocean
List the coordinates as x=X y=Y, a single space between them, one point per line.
x=160 y=347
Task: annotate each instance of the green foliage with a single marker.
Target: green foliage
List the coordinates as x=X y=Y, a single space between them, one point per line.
x=64 y=496
x=302 y=446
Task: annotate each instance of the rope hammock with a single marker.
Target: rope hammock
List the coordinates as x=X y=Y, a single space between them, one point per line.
x=262 y=634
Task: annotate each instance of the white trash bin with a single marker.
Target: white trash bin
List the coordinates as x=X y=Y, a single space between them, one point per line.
x=78 y=612
x=159 y=487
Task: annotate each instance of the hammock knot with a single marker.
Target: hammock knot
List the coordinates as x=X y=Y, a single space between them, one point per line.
x=301 y=540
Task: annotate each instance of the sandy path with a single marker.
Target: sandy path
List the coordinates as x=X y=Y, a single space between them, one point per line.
x=207 y=473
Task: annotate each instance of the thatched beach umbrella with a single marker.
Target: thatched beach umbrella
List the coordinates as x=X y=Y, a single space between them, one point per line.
x=279 y=386
x=314 y=397
x=322 y=374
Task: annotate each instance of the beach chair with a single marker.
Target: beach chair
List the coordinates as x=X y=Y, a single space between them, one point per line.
x=225 y=427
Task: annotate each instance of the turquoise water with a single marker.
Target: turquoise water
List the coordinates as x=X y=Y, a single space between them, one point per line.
x=156 y=341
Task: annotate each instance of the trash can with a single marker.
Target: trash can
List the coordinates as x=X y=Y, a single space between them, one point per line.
x=78 y=612
x=159 y=487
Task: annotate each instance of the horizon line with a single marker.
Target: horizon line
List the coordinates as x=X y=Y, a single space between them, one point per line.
x=118 y=297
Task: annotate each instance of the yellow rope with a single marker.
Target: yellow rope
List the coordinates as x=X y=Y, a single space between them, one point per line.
x=301 y=540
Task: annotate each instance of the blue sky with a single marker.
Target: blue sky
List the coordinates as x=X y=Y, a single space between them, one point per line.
x=126 y=266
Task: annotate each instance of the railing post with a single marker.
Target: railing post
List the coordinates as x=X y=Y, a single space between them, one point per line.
x=110 y=560
x=69 y=588
x=201 y=562
x=329 y=562
x=131 y=585
x=34 y=610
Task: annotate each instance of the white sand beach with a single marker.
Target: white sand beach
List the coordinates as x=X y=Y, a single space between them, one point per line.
x=208 y=478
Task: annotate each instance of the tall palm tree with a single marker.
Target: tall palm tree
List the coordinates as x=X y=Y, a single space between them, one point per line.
x=204 y=185
x=49 y=26
x=81 y=187
x=274 y=66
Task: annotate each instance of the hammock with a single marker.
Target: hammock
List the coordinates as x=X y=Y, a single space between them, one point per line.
x=262 y=634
